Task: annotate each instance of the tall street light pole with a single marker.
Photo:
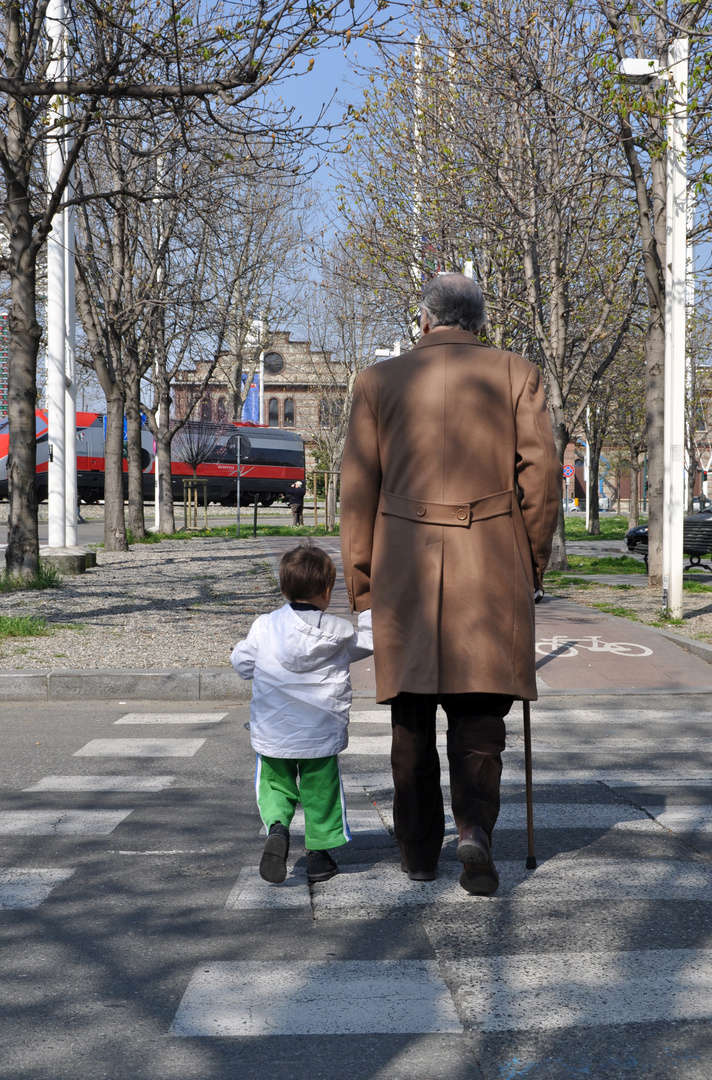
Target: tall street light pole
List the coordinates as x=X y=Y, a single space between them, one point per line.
x=638 y=70
x=675 y=329
x=61 y=385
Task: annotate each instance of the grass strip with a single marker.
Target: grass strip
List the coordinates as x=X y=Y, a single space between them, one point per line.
x=16 y=626
x=45 y=578
x=612 y=528
x=229 y=532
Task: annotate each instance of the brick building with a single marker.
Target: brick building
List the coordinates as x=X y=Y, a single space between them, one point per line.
x=301 y=386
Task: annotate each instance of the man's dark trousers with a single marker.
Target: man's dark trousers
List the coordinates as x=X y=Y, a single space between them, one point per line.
x=475 y=741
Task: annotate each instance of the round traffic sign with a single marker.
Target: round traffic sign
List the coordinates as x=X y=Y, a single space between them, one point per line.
x=568 y=470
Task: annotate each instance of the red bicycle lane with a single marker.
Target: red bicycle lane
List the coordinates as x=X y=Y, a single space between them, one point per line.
x=579 y=648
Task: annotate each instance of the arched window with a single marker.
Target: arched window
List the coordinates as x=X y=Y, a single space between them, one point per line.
x=206 y=410
x=222 y=409
x=273 y=412
x=288 y=412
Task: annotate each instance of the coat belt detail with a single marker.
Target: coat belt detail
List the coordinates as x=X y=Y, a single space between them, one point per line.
x=432 y=513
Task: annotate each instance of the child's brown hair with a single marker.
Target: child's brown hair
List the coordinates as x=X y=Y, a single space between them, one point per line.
x=306 y=571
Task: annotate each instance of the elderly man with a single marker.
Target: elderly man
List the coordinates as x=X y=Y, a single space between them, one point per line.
x=450 y=489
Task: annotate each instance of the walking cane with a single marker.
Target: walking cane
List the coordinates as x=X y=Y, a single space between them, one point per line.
x=531 y=857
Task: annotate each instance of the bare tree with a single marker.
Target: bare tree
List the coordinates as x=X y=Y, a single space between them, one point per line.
x=216 y=59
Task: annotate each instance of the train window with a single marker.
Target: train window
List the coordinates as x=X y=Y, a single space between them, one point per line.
x=278 y=457
x=288 y=412
x=273 y=412
x=4 y=427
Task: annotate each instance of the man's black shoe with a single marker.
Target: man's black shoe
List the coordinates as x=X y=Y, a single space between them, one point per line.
x=479 y=874
x=320 y=866
x=419 y=875
x=273 y=866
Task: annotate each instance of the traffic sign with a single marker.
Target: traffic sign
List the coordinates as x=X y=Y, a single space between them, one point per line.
x=568 y=471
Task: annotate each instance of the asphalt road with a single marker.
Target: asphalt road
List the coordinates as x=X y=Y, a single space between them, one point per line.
x=139 y=942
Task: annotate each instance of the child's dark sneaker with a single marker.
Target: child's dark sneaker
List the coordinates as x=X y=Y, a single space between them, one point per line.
x=320 y=866
x=273 y=865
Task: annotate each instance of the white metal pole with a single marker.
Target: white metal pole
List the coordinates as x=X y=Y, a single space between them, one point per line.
x=675 y=314
x=56 y=386
x=587 y=473
x=262 y=387
x=70 y=395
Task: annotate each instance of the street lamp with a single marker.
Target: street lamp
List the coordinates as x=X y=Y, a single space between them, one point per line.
x=641 y=71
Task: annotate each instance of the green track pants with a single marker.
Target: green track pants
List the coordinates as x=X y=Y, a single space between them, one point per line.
x=281 y=783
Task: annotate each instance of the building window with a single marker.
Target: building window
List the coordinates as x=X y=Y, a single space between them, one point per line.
x=273 y=412
x=222 y=409
x=330 y=410
x=206 y=410
x=288 y=412
x=273 y=363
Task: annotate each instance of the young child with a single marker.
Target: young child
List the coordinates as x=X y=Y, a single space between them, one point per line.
x=299 y=659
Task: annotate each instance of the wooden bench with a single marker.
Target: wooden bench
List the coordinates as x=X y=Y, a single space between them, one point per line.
x=696 y=542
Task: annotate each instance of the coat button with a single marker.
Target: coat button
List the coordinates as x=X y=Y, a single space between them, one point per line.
x=462 y=514
x=420 y=511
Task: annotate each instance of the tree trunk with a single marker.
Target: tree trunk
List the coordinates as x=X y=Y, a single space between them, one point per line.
x=558 y=560
x=634 y=505
x=594 y=520
x=137 y=522
x=114 y=523
x=23 y=549
x=163 y=464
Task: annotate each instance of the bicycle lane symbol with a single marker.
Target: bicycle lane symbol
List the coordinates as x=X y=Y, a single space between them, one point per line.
x=561 y=646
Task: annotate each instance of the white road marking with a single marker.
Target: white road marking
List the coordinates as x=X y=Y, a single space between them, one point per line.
x=361 y=822
x=140 y=748
x=371 y=890
x=544 y=991
x=683 y=818
x=371 y=716
x=102 y=783
x=316 y=997
x=22 y=887
x=60 y=822
x=171 y=718
x=251 y=893
x=551 y=816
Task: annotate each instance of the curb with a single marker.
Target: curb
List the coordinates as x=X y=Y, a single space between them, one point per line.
x=168 y=684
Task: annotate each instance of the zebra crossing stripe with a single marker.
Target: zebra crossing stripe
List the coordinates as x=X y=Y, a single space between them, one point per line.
x=361 y=822
x=316 y=997
x=24 y=887
x=60 y=822
x=546 y=991
x=251 y=893
x=684 y=818
x=171 y=718
x=555 y=816
x=368 y=890
x=372 y=716
x=102 y=783
x=140 y=748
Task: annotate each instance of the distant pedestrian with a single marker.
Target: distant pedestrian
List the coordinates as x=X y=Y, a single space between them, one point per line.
x=299 y=659
x=296 y=502
x=446 y=528
x=80 y=519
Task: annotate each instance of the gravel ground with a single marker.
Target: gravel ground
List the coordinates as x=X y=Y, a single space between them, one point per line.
x=181 y=603
x=643 y=603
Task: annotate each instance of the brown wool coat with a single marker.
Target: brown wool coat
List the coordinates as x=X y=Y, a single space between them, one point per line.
x=434 y=537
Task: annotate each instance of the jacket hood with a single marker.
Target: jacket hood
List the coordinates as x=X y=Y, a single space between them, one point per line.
x=299 y=646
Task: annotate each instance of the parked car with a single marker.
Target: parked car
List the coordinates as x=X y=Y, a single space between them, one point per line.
x=638 y=535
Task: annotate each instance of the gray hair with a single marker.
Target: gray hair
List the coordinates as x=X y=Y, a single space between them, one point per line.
x=455 y=300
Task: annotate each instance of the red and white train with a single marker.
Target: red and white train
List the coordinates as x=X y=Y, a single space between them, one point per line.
x=274 y=460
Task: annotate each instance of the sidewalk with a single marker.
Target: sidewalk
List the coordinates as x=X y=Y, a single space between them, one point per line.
x=578 y=649
x=192 y=605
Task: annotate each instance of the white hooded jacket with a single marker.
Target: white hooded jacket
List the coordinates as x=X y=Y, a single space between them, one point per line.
x=301 y=694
